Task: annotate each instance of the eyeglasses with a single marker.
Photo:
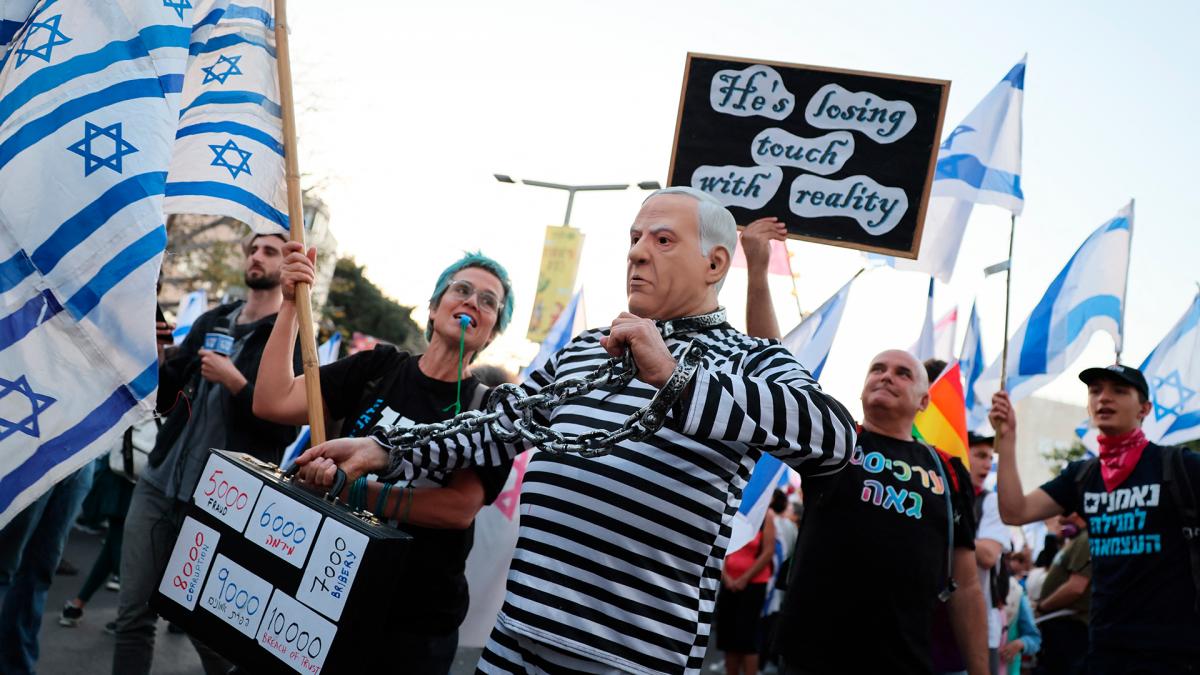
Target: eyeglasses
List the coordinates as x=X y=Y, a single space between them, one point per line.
x=462 y=289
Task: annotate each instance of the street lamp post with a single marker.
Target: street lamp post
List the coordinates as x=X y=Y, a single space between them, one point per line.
x=572 y=189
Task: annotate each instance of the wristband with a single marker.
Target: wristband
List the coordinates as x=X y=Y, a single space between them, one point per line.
x=358 y=500
x=407 y=505
x=381 y=503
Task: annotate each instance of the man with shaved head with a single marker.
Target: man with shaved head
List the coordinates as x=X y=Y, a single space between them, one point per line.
x=881 y=543
x=877 y=549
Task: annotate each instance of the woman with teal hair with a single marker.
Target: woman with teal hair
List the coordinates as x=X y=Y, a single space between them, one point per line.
x=470 y=305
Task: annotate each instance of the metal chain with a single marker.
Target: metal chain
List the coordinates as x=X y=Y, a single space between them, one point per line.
x=616 y=373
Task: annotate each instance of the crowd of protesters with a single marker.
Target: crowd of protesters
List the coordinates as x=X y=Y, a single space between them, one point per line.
x=891 y=556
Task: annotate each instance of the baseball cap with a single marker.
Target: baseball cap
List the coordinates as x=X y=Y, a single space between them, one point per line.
x=1119 y=373
x=977 y=439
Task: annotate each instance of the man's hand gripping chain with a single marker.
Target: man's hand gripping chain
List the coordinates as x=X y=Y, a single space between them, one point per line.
x=617 y=373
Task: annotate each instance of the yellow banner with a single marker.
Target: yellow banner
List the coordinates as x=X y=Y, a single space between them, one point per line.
x=556 y=281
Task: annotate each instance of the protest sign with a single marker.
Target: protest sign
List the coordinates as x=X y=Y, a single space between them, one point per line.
x=843 y=157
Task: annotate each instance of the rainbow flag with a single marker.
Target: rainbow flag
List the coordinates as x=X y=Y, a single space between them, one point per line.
x=944 y=423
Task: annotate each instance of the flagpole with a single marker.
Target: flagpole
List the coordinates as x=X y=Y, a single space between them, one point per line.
x=308 y=341
x=1012 y=231
x=1125 y=294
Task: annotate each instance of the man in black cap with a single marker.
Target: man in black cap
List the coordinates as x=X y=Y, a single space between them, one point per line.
x=1139 y=501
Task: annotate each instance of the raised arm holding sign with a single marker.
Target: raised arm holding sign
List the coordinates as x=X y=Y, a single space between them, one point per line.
x=847 y=156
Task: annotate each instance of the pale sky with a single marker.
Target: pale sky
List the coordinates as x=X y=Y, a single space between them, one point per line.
x=411 y=107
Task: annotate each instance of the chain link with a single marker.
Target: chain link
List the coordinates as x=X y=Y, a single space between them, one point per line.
x=615 y=373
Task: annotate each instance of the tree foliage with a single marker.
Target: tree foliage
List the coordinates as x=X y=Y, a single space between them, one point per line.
x=356 y=304
x=203 y=252
x=1064 y=453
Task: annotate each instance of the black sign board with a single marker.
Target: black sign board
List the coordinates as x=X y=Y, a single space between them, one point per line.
x=277 y=579
x=843 y=157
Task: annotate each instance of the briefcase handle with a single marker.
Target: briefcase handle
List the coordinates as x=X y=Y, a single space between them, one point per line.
x=339 y=481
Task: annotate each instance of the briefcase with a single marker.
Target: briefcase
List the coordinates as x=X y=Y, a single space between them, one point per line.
x=277 y=578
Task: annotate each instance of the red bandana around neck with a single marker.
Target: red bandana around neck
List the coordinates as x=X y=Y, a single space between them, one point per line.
x=1118 y=456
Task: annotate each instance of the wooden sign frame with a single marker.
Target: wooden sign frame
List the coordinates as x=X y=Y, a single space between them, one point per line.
x=796 y=227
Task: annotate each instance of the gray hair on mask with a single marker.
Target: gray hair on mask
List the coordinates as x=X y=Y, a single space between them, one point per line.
x=717 y=226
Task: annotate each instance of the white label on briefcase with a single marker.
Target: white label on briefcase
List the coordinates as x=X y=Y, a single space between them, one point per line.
x=331 y=569
x=227 y=492
x=295 y=634
x=189 y=562
x=237 y=596
x=283 y=526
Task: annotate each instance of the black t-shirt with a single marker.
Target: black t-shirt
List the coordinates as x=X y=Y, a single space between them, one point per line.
x=870 y=560
x=1143 y=596
x=435 y=597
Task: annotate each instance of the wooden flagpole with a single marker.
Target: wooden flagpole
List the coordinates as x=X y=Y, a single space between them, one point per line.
x=1012 y=231
x=308 y=340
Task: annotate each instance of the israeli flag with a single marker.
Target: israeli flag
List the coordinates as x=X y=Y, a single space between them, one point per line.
x=1089 y=436
x=769 y=473
x=924 y=346
x=972 y=365
x=565 y=327
x=87 y=122
x=193 y=305
x=1088 y=295
x=1173 y=372
x=229 y=155
x=326 y=353
x=978 y=163
x=13 y=14
x=811 y=340
x=810 y=343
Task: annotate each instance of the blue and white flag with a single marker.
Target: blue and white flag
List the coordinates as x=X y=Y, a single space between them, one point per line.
x=327 y=353
x=810 y=343
x=769 y=474
x=972 y=365
x=228 y=156
x=1089 y=436
x=1173 y=372
x=811 y=340
x=13 y=14
x=88 y=94
x=566 y=327
x=923 y=348
x=190 y=308
x=978 y=163
x=1088 y=295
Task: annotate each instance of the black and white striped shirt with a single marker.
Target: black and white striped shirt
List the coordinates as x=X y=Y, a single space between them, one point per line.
x=619 y=557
